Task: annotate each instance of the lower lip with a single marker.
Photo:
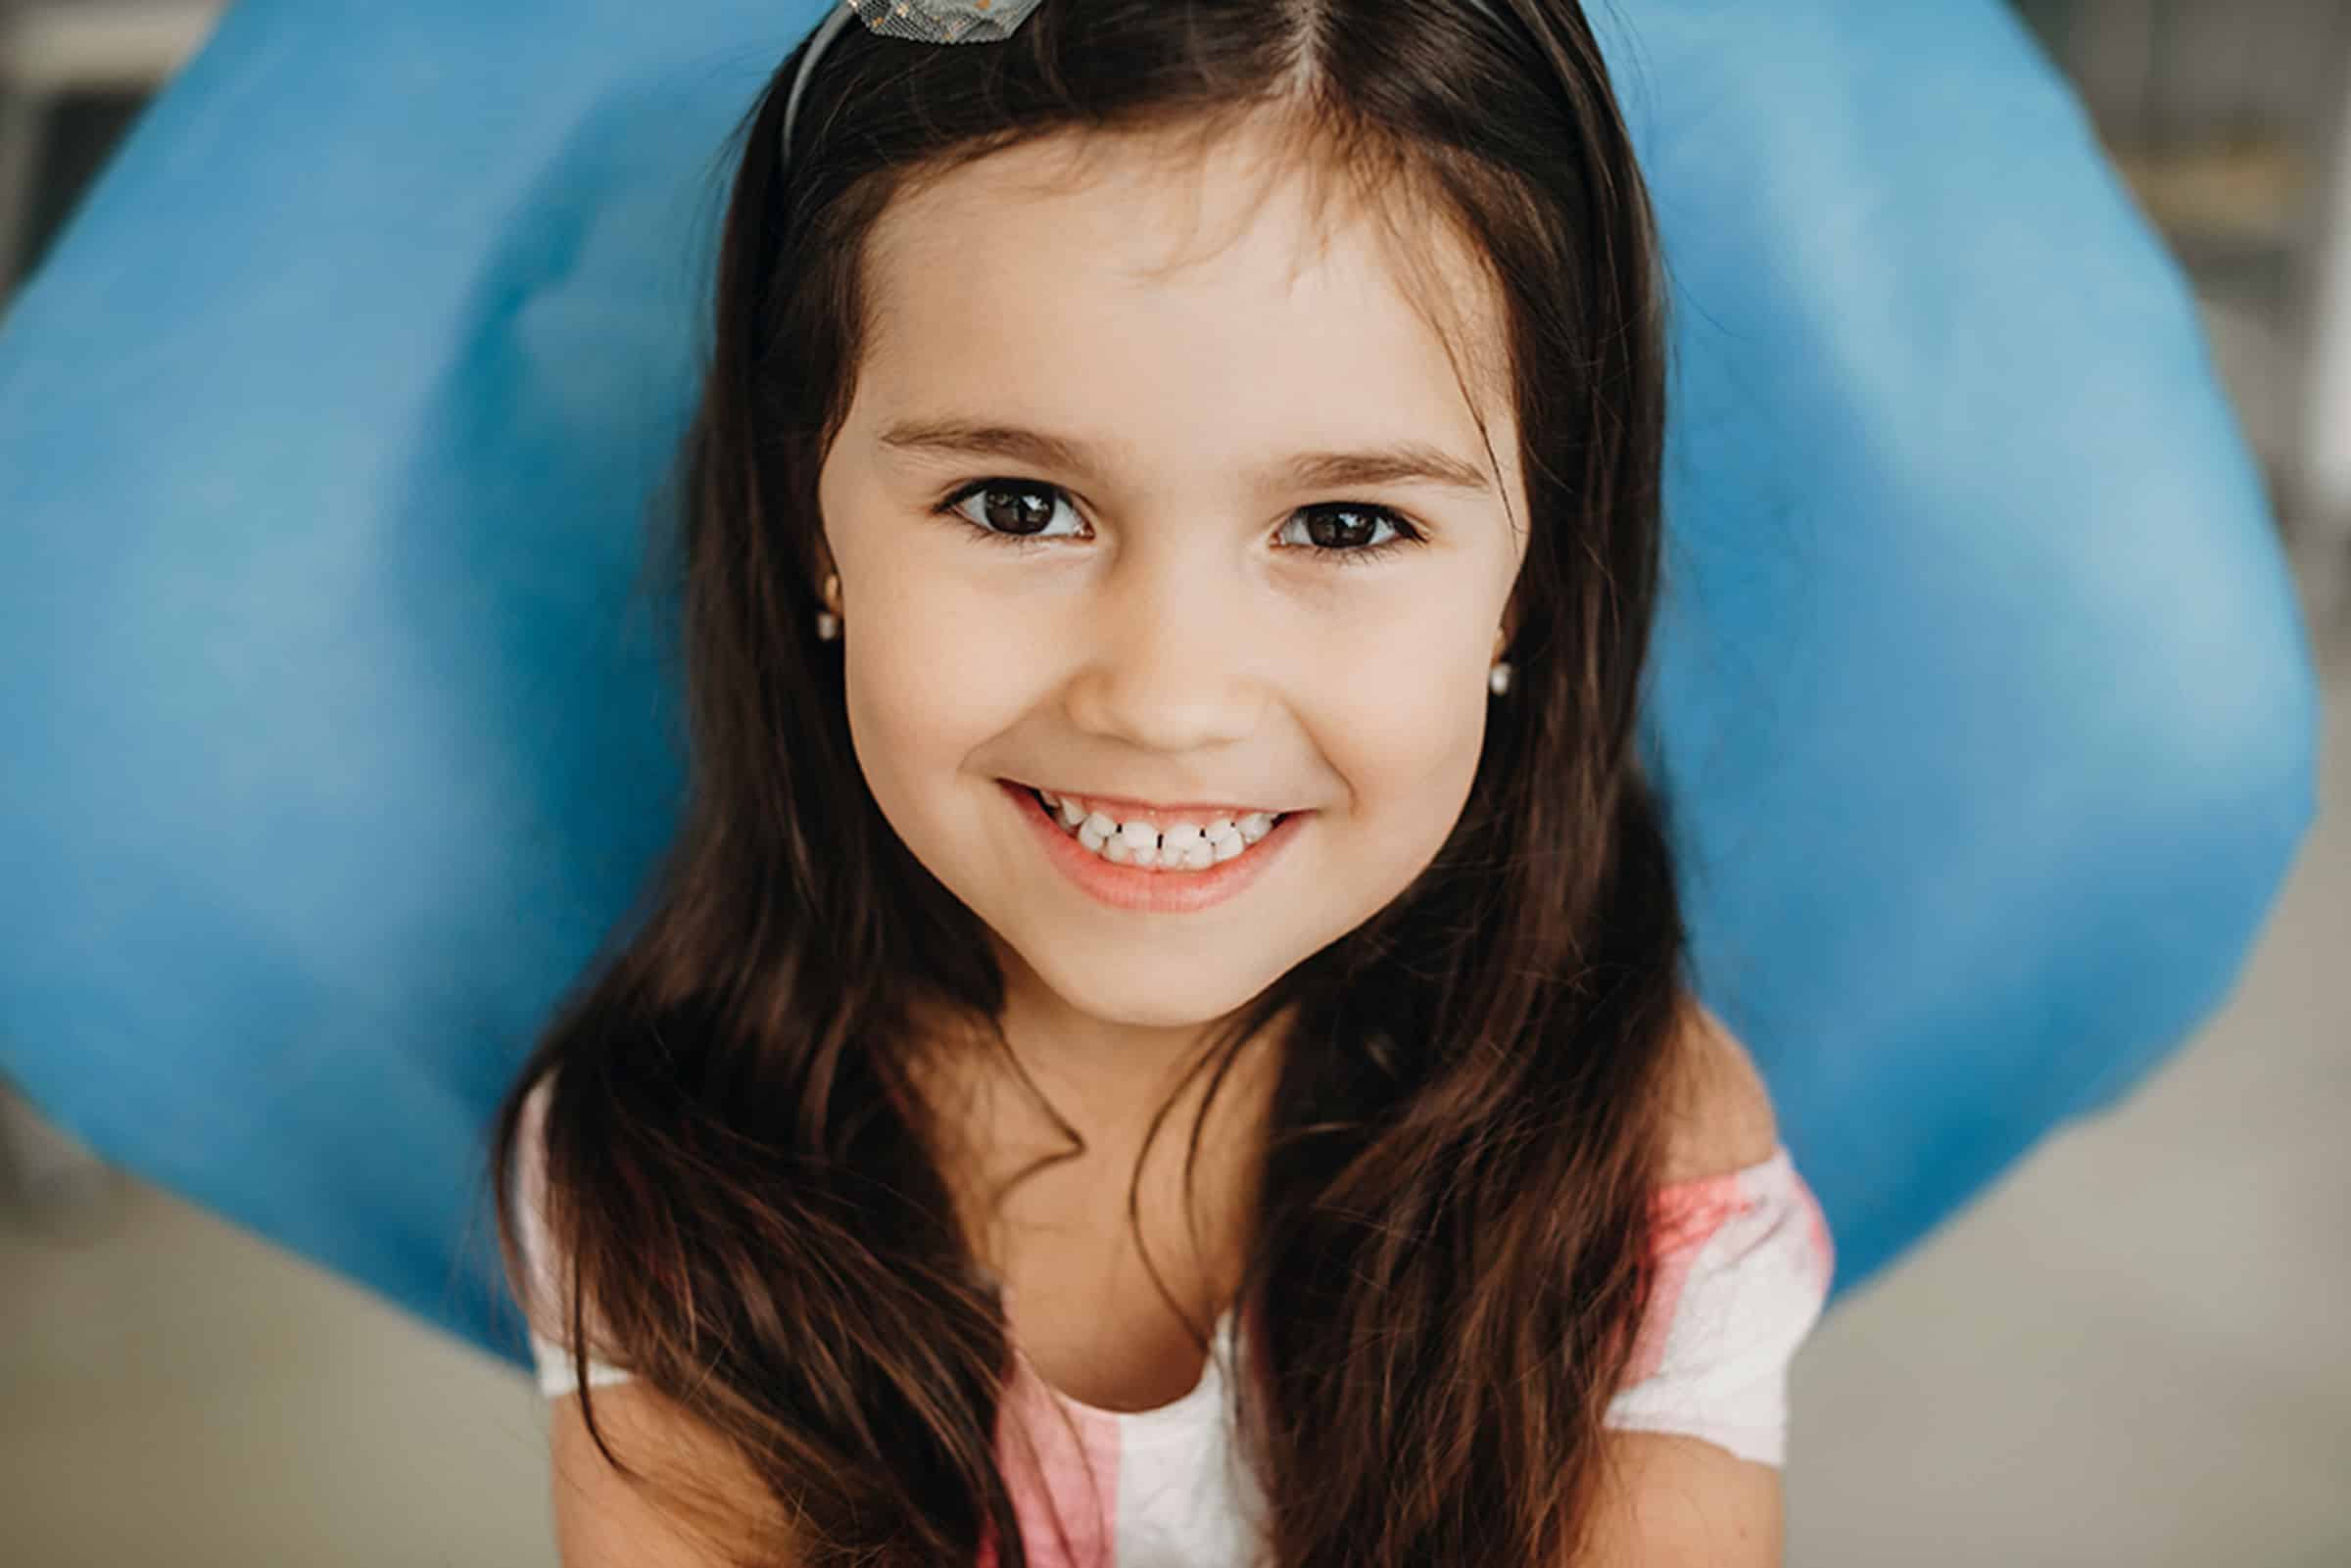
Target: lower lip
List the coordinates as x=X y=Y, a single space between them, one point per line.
x=1143 y=887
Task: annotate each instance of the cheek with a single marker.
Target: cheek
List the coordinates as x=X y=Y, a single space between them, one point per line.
x=1409 y=751
x=927 y=683
x=1408 y=745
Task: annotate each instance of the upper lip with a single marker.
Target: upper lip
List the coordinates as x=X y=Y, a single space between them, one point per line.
x=1112 y=805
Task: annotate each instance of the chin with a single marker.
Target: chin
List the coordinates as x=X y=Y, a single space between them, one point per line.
x=1166 y=995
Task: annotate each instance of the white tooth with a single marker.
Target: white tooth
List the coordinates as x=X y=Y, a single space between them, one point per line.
x=1139 y=835
x=1072 y=812
x=1226 y=848
x=1100 y=826
x=1091 y=836
x=1199 y=856
x=1222 y=827
x=1148 y=855
x=1255 y=825
x=1181 y=836
x=1118 y=851
x=1048 y=797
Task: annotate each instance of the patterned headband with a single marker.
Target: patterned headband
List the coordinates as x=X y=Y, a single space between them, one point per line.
x=922 y=21
x=936 y=22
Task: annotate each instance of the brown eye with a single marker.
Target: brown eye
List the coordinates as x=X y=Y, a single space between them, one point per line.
x=1345 y=529
x=1010 y=508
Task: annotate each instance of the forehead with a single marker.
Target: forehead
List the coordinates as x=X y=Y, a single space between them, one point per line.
x=1205 y=305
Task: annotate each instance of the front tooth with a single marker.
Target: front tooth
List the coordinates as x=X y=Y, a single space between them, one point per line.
x=1181 y=836
x=1254 y=827
x=1226 y=848
x=1100 y=826
x=1139 y=835
x=1150 y=855
x=1091 y=836
x=1072 y=812
x=1198 y=855
x=1223 y=828
x=1118 y=851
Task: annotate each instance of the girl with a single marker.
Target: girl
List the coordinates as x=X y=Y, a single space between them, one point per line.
x=1168 y=548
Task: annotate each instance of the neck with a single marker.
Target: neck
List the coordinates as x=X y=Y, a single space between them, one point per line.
x=1110 y=1078
x=1107 y=1080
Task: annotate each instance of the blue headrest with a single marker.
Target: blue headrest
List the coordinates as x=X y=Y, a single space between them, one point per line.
x=335 y=740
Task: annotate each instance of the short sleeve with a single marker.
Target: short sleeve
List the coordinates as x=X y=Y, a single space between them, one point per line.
x=543 y=1287
x=1744 y=1261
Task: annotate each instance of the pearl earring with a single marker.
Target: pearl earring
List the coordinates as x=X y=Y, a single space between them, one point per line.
x=1497 y=678
x=827 y=624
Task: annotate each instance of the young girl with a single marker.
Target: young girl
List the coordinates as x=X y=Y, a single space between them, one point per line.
x=1165 y=1035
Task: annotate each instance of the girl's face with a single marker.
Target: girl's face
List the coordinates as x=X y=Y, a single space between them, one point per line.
x=1194 y=546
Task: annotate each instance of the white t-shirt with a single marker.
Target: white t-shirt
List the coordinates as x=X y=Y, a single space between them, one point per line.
x=1745 y=1260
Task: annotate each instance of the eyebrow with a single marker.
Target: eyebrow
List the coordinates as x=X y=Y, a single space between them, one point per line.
x=1399 y=463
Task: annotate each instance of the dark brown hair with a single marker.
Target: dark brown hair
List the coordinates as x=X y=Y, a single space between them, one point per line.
x=1468 y=1115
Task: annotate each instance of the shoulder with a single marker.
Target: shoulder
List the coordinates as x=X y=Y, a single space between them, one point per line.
x=1720 y=1113
x=706 y=1503
x=543 y=1279
x=1742 y=1266
x=1668 y=1498
x=529 y=1177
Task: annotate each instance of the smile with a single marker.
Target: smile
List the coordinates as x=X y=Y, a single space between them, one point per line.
x=1167 y=861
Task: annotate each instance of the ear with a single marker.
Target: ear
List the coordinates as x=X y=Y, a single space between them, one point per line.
x=821 y=563
x=824 y=574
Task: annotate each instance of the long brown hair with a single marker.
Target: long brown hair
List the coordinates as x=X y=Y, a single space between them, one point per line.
x=1469 y=1117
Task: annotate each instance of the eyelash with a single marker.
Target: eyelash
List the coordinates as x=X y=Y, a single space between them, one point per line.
x=1406 y=535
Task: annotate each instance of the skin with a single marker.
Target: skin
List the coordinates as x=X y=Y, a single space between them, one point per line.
x=1178 y=637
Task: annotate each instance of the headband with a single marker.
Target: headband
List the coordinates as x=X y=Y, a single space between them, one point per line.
x=922 y=21
x=931 y=21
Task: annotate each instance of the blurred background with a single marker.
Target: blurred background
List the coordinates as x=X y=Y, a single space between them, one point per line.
x=2130 y=1352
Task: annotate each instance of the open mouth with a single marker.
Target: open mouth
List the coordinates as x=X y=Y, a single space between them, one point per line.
x=1172 y=861
x=1158 y=843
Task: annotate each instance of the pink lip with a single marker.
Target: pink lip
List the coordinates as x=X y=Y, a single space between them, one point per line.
x=1148 y=888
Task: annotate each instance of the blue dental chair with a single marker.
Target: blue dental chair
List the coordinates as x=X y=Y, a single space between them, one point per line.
x=333 y=737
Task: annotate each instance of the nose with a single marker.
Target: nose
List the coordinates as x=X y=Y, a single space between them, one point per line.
x=1171 y=664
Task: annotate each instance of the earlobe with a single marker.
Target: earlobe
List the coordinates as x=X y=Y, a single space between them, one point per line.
x=824 y=572
x=828 y=615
